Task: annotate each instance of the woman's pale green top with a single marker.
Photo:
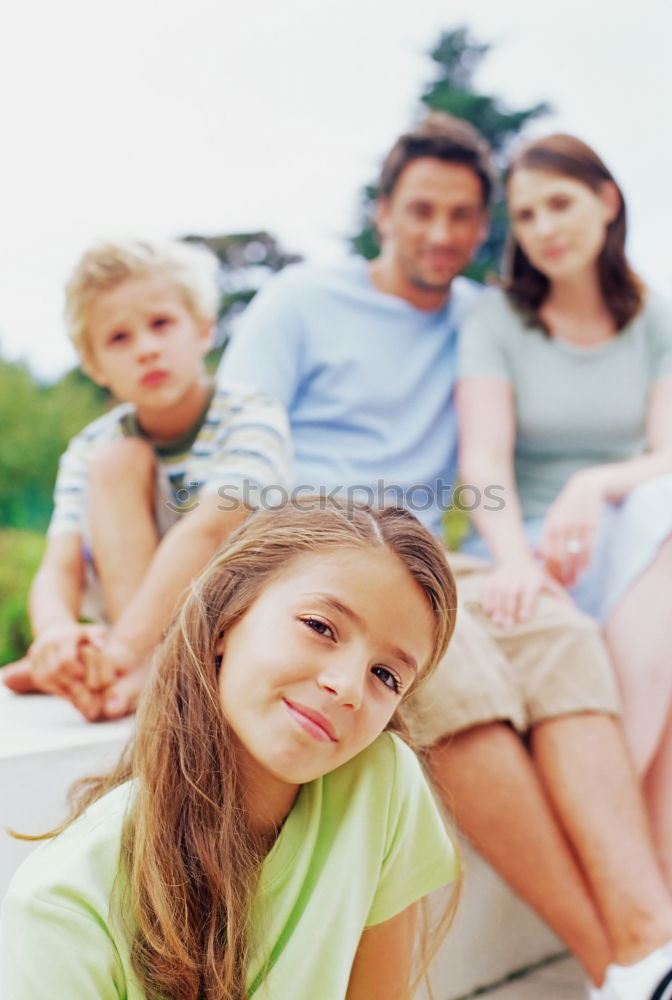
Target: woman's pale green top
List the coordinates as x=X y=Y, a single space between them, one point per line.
x=575 y=406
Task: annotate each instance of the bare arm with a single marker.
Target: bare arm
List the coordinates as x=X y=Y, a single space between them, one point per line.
x=56 y=591
x=620 y=478
x=180 y=556
x=382 y=966
x=487 y=423
x=55 y=597
x=574 y=516
x=487 y=430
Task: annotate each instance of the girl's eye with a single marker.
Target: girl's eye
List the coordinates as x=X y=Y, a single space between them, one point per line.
x=159 y=322
x=560 y=204
x=118 y=337
x=389 y=679
x=319 y=626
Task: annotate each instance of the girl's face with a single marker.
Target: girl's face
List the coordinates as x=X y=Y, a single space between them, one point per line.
x=314 y=670
x=560 y=223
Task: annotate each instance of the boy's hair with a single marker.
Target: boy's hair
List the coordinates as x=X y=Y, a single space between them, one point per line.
x=191 y=858
x=107 y=263
x=440 y=136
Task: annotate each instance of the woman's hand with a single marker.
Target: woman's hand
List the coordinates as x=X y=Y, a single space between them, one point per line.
x=512 y=589
x=570 y=525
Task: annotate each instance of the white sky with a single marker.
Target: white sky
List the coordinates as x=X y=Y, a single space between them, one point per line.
x=159 y=117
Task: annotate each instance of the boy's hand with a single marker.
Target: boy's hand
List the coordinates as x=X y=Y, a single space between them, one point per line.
x=108 y=662
x=55 y=656
x=115 y=675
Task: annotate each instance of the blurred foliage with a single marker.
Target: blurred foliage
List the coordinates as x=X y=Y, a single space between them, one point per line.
x=247 y=261
x=20 y=554
x=456 y=58
x=455 y=526
x=37 y=422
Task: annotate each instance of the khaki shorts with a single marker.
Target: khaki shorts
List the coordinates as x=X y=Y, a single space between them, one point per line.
x=554 y=664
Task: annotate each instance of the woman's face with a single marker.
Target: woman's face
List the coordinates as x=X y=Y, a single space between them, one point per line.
x=314 y=670
x=560 y=223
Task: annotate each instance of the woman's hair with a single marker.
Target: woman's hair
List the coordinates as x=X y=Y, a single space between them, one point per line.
x=192 y=270
x=191 y=860
x=527 y=287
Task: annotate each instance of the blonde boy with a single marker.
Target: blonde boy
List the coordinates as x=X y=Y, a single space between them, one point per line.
x=146 y=494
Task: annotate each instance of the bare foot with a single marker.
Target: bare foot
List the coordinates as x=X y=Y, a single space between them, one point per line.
x=18 y=677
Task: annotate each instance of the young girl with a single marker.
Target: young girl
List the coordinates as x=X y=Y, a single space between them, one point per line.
x=261 y=838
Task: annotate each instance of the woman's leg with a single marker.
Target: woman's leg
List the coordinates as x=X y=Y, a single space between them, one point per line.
x=658 y=795
x=638 y=633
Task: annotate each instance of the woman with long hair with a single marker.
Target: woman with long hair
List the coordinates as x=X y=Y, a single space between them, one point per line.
x=565 y=401
x=262 y=836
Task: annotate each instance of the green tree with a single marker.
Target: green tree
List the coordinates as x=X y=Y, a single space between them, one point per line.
x=456 y=58
x=246 y=260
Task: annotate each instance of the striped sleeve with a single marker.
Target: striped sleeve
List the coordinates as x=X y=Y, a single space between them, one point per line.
x=243 y=446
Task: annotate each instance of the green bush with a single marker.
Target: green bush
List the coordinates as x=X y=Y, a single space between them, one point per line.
x=20 y=554
x=37 y=423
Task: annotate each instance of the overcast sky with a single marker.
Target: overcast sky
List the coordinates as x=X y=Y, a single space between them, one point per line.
x=159 y=117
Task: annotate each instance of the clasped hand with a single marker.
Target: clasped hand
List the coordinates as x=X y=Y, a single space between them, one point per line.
x=570 y=526
x=90 y=667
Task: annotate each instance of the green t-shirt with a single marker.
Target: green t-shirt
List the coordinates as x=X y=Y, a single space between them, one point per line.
x=359 y=846
x=575 y=406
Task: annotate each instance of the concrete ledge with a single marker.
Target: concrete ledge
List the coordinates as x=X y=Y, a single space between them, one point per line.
x=45 y=745
x=494 y=935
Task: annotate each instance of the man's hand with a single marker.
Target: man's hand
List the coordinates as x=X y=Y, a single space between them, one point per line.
x=512 y=589
x=570 y=526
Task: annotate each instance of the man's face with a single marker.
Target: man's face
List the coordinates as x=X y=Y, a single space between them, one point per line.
x=430 y=228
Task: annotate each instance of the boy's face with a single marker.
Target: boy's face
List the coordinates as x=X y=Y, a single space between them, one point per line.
x=145 y=345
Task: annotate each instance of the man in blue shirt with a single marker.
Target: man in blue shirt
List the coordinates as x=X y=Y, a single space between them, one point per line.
x=363 y=356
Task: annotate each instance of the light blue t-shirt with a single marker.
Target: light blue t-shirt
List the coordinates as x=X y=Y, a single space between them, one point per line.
x=367 y=380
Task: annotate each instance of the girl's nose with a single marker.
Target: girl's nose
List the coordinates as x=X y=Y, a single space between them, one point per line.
x=344 y=680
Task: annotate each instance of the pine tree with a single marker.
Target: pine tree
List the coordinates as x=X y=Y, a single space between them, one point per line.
x=457 y=57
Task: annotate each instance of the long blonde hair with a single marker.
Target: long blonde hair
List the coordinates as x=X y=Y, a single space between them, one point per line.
x=191 y=860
